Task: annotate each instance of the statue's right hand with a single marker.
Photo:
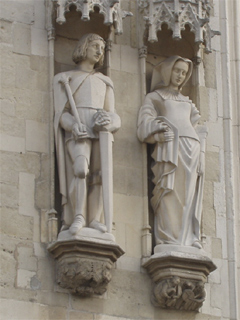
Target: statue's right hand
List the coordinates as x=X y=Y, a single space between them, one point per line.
x=164 y=136
x=79 y=132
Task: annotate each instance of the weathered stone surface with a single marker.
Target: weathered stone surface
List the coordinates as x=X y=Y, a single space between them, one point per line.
x=84 y=264
x=36 y=136
x=18 y=11
x=12 y=143
x=12 y=163
x=22 y=38
x=20 y=227
x=179 y=275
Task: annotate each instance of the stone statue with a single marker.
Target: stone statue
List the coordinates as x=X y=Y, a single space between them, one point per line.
x=168 y=120
x=85 y=119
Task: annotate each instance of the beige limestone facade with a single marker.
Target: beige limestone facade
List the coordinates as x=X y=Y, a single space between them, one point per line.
x=31 y=54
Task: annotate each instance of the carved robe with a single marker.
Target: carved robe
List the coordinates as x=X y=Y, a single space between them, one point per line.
x=176 y=194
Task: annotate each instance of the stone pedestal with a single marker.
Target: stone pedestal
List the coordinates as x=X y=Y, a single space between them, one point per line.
x=179 y=275
x=84 y=261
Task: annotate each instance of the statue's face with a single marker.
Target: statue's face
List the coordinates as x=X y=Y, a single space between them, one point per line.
x=179 y=73
x=95 y=51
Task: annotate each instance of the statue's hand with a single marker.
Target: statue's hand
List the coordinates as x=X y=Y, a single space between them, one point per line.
x=164 y=136
x=101 y=119
x=79 y=132
x=201 y=164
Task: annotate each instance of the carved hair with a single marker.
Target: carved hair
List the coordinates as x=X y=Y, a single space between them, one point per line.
x=80 y=52
x=162 y=72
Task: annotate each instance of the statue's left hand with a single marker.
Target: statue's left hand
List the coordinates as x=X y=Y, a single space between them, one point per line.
x=201 y=163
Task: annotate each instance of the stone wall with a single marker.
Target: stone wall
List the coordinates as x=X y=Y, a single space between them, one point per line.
x=28 y=288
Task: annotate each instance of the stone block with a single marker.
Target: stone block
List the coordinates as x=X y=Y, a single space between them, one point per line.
x=8 y=77
x=9 y=195
x=208 y=195
x=209 y=222
x=13 y=163
x=217 y=248
x=42 y=194
x=26 y=259
x=39 y=15
x=24 y=278
x=129 y=59
x=26 y=194
x=12 y=144
x=22 y=38
x=7 y=107
x=8 y=269
x=115 y=61
x=12 y=126
x=204 y=103
x=212 y=166
x=120 y=80
x=25 y=78
x=134 y=181
x=5 y=32
x=119 y=179
x=50 y=299
x=76 y=315
x=57 y=313
x=127 y=209
x=215 y=137
x=39 y=43
x=209 y=61
x=29 y=105
x=39 y=250
x=105 y=317
x=221 y=232
x=19 y=11
x=133 y=245
x=20 y=226
x=46 y=273
x=22 y=310
x=129 y=263
x=129 y=287
x=36 y=136
x=146 y=311
x=120 y=234
x=216 y=296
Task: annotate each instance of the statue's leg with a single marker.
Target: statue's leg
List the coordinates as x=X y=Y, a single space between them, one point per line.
x=95 y=200
x=80 y=154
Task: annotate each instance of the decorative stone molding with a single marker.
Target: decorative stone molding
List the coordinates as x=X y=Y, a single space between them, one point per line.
x=177 y=14
x=110 y=9
x=178 y=277
x=84 y=264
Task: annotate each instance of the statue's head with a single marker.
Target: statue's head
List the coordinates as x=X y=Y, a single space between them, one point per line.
x=175 y=280
x=167 y=72
x=80 y=53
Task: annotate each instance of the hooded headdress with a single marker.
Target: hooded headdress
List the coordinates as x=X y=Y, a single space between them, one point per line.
x=162 y=72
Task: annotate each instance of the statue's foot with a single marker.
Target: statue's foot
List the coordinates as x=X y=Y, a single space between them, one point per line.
x=197 y=244
x=78 y=224
x=98 y=226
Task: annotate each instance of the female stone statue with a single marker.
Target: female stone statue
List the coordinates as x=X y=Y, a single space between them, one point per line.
x=168 y=119
x=84 y=107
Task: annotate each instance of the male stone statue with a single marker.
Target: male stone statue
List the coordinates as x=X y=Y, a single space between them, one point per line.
x=84 y=107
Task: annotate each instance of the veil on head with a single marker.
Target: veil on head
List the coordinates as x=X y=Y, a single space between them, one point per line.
x=162 y=72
